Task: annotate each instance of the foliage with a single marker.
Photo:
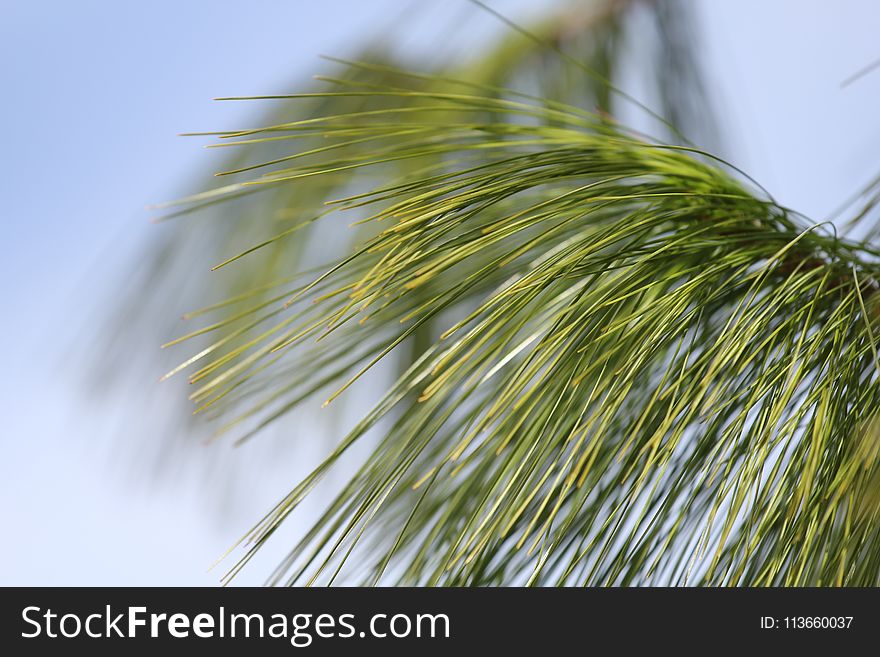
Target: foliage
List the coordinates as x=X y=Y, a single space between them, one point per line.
x=620 y=361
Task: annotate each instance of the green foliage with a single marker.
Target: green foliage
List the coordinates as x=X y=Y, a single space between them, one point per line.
x=620 y=361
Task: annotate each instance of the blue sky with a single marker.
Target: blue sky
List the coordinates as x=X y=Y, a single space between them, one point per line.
x=94 y=94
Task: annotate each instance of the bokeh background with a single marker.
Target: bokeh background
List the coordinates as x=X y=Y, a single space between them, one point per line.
x=94 y=94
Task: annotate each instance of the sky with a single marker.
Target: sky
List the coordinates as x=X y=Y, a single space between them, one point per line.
x=94 y=96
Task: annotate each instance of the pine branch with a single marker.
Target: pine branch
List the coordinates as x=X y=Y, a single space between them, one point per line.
x=615 y=360
x=648 y=372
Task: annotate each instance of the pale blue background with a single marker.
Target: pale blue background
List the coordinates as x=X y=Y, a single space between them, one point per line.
x=92 y=95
